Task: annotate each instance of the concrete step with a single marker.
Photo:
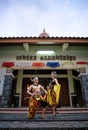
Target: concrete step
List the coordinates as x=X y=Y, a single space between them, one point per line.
x=48 y=110
x=49 y=117
x=66 y=119
x=62 y=121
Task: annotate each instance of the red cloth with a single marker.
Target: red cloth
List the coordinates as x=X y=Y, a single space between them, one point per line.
x=38 y=64
x=81 y=63
x=8 y=64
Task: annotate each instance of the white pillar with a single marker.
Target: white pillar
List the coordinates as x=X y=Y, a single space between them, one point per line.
x=19 y=85
x=71 y=85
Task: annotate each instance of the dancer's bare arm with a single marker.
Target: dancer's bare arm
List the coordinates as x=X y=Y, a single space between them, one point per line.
x=29 y=90
x=56 y=81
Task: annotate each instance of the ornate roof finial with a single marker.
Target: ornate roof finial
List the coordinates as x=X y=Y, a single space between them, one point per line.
x=44 y=30
x=44 y=34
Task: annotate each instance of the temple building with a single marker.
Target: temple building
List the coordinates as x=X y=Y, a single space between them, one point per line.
x=25 y=57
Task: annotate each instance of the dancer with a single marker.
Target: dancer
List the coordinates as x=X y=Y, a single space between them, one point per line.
x=53 y=92
x=36 y=98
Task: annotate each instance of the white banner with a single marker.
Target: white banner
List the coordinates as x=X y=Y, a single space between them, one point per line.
x=22 y=64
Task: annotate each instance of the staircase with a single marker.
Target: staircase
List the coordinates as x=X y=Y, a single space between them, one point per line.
x=66 y=119
x=48 y=110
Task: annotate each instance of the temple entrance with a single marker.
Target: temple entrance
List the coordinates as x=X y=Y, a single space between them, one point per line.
x=45 y=80
x=70 y=94
x=64 y=96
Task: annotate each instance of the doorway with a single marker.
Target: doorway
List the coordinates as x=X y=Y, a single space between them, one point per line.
x=44 y=79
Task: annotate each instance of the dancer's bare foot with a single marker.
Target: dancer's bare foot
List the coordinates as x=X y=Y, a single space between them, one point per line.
x=43 y=117
x=54 y=113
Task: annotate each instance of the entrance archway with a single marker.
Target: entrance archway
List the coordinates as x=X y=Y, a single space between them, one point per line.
x=44 y=79
x=67 y=96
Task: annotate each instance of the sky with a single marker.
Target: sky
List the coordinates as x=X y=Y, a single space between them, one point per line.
x=30 y=17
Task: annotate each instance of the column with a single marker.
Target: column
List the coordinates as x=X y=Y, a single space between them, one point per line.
x=71 y=85
x=7 y=88
x=84 y=83
x=19 y=85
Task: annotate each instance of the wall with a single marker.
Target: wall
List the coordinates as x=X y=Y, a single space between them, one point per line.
x=9 y=53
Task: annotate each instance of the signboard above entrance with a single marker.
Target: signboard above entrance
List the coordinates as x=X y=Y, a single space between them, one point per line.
x=56 y=57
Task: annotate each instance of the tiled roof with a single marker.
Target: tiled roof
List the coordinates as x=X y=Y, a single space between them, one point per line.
x=43 y=40
x=43 y=37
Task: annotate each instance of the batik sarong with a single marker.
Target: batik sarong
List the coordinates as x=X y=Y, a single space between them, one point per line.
x=53 y=95
x=34 y=103
x=32 y=107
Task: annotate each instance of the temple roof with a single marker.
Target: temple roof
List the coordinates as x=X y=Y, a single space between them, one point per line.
x=44 y=38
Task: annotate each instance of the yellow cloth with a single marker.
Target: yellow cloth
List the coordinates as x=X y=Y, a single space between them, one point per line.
x=56 y=90
x=43 y=98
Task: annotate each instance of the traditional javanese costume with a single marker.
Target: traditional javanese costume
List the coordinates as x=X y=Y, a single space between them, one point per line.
x=53 y=94
x=35 y=102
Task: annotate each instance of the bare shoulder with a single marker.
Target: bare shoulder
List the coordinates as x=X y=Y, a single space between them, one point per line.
x=29 y=87
x=55 y=80
x=40 y=86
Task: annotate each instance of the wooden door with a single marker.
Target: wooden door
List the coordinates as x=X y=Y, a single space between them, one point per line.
x=64 y=94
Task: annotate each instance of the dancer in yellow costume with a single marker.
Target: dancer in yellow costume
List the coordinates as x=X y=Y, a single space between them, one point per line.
x=36 y=98
x=53 y=92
